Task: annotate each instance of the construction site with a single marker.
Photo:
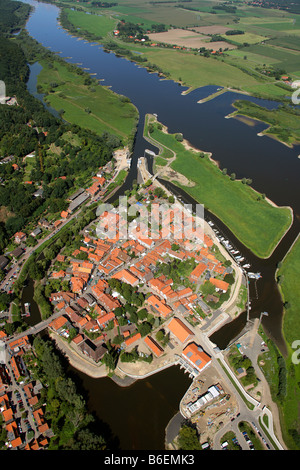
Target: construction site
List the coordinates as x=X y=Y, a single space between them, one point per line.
x=208 y=404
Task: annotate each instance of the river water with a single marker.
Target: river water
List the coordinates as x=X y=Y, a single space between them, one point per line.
x=272 y=166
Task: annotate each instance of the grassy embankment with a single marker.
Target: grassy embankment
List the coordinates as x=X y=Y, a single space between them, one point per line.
x=256 y=223
x=283 y=122
x=288 y=278
x=86 y=103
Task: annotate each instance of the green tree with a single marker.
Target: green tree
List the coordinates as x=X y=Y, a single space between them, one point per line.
x=142 y=314
x=188 y=439
x=109 y=360
x=144 y=328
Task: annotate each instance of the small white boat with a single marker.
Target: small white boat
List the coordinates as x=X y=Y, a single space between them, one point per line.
x=27 y=309
x=254 y=275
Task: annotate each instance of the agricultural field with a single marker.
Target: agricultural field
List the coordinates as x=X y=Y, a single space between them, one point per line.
x=289 y=60
x=270 y=39
x=249 y=38
x=196 y=71
x=188 y=39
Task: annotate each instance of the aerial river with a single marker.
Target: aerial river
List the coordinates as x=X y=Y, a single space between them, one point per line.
x=272 y=166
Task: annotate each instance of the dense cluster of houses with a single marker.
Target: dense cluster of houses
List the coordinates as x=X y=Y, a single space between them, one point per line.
x=87 y=310
x=89 y=305
x=18 y=395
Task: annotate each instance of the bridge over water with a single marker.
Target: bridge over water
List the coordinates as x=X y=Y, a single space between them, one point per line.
x=33 y=330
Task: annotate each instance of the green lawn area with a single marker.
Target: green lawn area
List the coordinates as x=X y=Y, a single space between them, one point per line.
x=160 y=161
x=95 y=24
x=91 y=106
x=256 y=223
x=119 y=180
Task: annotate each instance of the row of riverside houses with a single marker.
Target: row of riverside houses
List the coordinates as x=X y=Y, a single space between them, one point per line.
x=90 y=304
x=22 y=414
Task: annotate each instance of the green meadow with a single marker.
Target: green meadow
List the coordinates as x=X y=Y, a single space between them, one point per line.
x=256 y=223
x=97 y=24
x=249 y=38
x=85 y=102
x=288 y=276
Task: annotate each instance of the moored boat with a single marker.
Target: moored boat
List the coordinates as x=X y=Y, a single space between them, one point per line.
x=254 y=275
x=27 y=309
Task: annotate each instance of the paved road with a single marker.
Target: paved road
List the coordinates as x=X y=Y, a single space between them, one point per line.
x=30 y=250
x=259 y=408
x=33 y=330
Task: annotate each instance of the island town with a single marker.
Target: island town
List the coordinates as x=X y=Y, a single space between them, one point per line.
x=129 y=307
x=116 y=299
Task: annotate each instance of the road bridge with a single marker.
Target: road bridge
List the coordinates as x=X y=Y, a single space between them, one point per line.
x=33 y=330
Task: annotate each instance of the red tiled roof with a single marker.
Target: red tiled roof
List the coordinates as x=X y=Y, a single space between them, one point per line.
x=133 y=338
x=152 y=344
x=58 y=323
x=178 y=328
x=197 y=272
x=196 y=355
x=219 y=284
x=126 y=276
x=160 y=306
